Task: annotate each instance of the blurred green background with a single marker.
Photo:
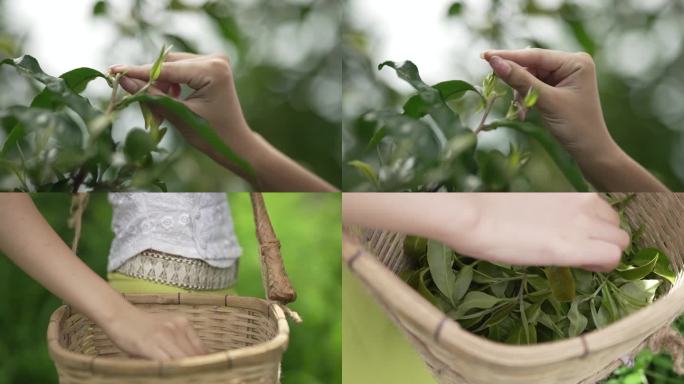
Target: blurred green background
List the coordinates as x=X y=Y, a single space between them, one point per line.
x=285 y=57
x=308 y=226
x=638 y=47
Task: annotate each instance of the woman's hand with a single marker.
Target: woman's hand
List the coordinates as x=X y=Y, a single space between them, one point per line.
x=214 y=98
x=153 y=336
x=577 y=230
x=574 y=229
x=570 y=107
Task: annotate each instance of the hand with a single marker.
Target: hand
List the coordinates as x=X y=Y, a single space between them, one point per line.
x=568 y=93
x=214 y=98
x=570 y=106
x=578 y=230
x=153 y=336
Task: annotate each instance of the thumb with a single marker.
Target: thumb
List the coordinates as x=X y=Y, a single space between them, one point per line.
x=516 y=76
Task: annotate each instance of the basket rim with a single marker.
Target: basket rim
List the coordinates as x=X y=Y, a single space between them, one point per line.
x=270 y=350
x=419 y=315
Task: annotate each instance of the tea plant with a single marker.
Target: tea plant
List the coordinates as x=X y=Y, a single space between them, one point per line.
x=61 y=142
x=427 y=146
x=525 y=305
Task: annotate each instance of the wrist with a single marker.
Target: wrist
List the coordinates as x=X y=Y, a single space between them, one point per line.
x=455 y=217
x=606 y=157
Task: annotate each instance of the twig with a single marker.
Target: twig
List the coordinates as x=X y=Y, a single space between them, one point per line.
x=488 y=109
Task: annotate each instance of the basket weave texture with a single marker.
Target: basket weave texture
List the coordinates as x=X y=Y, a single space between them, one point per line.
x=454 y=355
x=246 y=338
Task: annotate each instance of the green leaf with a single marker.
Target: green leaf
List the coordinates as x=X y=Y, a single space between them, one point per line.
x=640 y=292
x=455 y=8
x=663 y=268
x=445 y=118
x=76 y=79
x=440 y=259
x=58 y=88
x=531 y=98
x=367 y=171
x=199 y=125
x=100 y=8
x=448 y=90
x=462 y=282
x=156 y=68
x=578 y=322
x=415 y=247
x=561 y=282
x=488 y=85
x=498 y=316
x=638 y=273
x=477 y=300
x=138 y=145
x=584 y=280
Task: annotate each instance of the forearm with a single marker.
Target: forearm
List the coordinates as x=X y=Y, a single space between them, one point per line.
x=277 y=172
x=612 y=170
x=29 y=241
x=439 y=216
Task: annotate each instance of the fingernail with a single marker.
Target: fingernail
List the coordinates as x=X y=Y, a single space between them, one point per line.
x=483 y=54
x=500 y=66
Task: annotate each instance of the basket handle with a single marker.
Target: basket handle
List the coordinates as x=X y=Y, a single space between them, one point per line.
x=276 y=283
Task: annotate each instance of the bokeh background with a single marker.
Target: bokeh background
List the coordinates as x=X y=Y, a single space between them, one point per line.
x=308 y=226
x=285 y=56
x=637 y=47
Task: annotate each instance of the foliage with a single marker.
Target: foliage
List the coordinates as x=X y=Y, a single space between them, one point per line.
x=526 y=305
x=311 y=251
x=427 y=147
x=648 y=367
x=47 y=149
x=284 y=58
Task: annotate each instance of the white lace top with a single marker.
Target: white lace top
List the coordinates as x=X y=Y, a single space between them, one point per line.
x=193 y=225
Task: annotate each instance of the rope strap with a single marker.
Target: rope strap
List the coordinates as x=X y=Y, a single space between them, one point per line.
x=668 y=339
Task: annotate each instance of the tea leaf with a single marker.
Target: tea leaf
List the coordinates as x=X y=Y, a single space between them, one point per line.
x=448 y=90
x=578 y=322
x=531 y=97
x=477 y=300
x=455 y=8
x=367 y=171
x=200 y=126
x=640 y=292
x=440 y=259
x=138 y=145
x=155 y=70
x=463 y=279
x=637 y=273
x=662 y=266
x=415 y=247
x=561 y=282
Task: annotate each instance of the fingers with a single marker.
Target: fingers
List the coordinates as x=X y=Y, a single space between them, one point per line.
x=516 y=76
x=609 y=233
x=194 y=341
x=131 y=85
x=177 y=72
x=540 y=59
x=601 y=256
x=177 y=56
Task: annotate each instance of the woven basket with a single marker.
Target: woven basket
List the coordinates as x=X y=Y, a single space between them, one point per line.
x=246 y=336
x=455 y=355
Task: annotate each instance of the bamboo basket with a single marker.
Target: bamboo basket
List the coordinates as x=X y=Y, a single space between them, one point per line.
x=246 y=336
x=455 y=355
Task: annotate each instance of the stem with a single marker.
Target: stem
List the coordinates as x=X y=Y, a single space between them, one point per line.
x=488 y=109
x=115 y=89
